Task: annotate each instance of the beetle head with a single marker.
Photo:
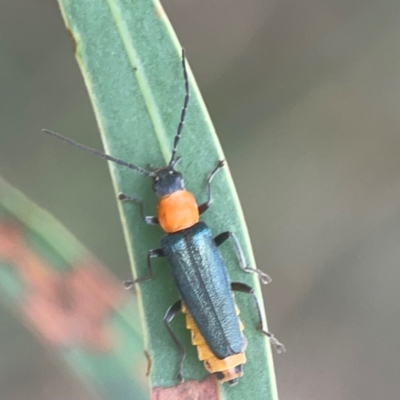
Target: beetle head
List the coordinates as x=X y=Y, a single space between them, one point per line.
x=167 y=181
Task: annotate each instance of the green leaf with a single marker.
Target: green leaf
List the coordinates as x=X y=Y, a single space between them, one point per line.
x=131 y=63
x=51 y=282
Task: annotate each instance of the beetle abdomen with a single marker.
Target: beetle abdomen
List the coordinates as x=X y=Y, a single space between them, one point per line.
x=228 y=369
x=201 y=278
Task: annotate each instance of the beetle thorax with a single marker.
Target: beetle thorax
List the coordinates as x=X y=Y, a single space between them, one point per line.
x=177 y=211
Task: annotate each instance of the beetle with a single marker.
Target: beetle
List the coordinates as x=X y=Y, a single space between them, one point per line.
x=199 y=272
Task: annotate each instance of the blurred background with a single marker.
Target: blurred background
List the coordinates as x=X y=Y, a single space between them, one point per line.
x=305 y=97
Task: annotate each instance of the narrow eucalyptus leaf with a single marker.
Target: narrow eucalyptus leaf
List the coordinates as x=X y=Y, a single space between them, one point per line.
x=131 y=62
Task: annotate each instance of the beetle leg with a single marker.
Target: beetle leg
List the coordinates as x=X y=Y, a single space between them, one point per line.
x=151 y=254
x=242 y=287
x=222 y=237
x=204 y=207
x=169 y=316
x=150 y=220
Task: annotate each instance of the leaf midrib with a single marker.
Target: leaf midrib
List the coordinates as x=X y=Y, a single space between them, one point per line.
x=134 y=60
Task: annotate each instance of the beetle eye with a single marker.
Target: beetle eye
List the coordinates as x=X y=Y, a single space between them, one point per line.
x=170 y=172
x=157 y=178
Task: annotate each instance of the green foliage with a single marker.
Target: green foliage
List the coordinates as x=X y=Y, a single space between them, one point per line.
x=130 y=60
x=50 y=281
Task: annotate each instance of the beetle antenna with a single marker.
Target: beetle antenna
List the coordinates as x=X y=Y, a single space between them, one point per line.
x=99 y=153
x=183 y=113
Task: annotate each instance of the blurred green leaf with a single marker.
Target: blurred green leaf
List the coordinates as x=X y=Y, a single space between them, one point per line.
x=130 y=60
x=68 y=300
